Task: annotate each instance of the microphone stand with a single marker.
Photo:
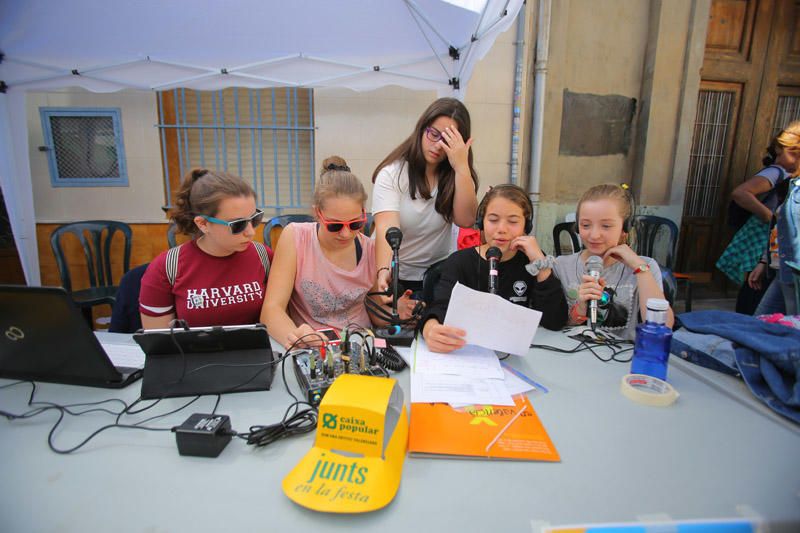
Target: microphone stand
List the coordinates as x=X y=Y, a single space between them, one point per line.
x=396 y=333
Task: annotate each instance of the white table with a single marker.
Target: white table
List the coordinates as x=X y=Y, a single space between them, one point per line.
x=707 y=456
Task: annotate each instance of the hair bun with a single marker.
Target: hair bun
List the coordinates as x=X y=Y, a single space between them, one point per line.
x=198 y=173
x=334 y=163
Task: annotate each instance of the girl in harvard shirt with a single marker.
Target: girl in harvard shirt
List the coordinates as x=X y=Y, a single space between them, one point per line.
x=219 y=277
x=323 y=270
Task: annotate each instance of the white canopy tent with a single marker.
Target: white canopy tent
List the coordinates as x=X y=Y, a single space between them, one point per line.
x=155 y=45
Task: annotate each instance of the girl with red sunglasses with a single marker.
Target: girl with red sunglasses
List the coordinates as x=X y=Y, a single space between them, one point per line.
x=323 y=270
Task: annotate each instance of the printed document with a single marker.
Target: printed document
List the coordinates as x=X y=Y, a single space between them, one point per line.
x=491 y=321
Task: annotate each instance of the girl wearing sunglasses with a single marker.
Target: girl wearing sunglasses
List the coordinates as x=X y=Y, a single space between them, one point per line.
x=323 y=270
x=422 y=187
x=217 y=278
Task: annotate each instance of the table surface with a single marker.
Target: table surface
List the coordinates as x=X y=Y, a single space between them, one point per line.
x=715 y=453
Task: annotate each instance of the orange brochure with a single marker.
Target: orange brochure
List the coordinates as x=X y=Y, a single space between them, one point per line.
x=480 y=431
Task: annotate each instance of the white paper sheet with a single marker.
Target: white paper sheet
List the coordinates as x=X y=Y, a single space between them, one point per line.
x=491 y=321
x=447 y=388
x=470 y=361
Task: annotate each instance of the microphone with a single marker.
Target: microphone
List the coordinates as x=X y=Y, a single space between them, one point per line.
x=594 y=265
x=493 y=255
x=394 y=237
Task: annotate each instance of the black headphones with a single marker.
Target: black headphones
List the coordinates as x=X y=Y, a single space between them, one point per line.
x=482 y=208
x=627 y=224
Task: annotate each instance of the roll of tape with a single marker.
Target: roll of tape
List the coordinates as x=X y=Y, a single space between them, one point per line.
x=648 y=390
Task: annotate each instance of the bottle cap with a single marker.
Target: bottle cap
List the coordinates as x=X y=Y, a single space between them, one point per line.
x=657 y=304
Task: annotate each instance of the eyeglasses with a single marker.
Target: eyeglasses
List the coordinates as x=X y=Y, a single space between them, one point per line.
x=240 y=224
x=336 y=227
x=433 y=134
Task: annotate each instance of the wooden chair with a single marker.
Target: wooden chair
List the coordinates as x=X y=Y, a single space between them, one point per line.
x=95 y=237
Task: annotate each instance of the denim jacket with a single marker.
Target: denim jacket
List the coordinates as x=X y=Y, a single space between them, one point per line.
x=789 y=231
x=767 y=355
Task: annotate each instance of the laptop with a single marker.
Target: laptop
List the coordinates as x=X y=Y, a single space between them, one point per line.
x=205 y=360
x=45 y=337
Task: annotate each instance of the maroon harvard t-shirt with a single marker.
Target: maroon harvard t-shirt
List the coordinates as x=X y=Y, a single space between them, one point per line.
x=208 y=290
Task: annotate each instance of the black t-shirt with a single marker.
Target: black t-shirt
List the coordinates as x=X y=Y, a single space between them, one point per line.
x=514 y=284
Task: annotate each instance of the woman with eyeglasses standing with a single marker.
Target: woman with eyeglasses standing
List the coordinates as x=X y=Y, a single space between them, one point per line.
x=219 y=277
x=422 y=187
x=323 y=270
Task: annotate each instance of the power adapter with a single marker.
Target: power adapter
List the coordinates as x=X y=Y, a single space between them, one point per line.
x=203 y=435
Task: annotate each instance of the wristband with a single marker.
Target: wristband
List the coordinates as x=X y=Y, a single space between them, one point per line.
x=644 y=267
x=537 y=265
x=577 y=317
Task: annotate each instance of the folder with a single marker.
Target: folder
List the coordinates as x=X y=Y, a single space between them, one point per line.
x=480 y=431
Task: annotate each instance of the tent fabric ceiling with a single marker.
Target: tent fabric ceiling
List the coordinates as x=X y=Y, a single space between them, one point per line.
x=104 y=46
x=151 y=44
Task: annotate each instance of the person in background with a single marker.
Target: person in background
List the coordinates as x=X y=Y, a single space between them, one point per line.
x=604 y=215
x=761 y=195
x=524 y=272
x=323 y=270
x=422 y=187
x=218 y=277
x=780 y=295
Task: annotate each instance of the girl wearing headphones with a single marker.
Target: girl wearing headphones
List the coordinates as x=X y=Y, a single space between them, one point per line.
x=627 y=280
x=524 y=272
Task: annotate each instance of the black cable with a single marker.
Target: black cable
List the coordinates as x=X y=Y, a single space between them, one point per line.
x=93 y=435
x=377 y=310
x=40 y=407
x=389 y=358
x=184 y=406
x=216 y=404
x=591 y=344
x=294 y=422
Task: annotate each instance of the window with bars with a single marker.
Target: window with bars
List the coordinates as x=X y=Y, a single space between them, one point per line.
x=266 y=136
x=84 y=146
x=787 y=110
x=711 y=127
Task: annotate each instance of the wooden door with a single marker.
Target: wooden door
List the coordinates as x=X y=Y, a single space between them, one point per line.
x=750 y=89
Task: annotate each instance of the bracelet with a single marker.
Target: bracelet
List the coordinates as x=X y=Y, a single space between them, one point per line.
x=537 y=265
x=576 y=316
x=644 y=267
x=382 y=268
x=762 y=262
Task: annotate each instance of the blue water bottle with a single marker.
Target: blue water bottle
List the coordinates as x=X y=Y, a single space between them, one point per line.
x=653 y=339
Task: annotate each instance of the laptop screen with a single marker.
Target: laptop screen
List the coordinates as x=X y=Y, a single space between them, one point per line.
x=43 y=336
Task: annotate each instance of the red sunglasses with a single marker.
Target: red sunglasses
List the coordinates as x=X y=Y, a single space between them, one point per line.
x=336 y=227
